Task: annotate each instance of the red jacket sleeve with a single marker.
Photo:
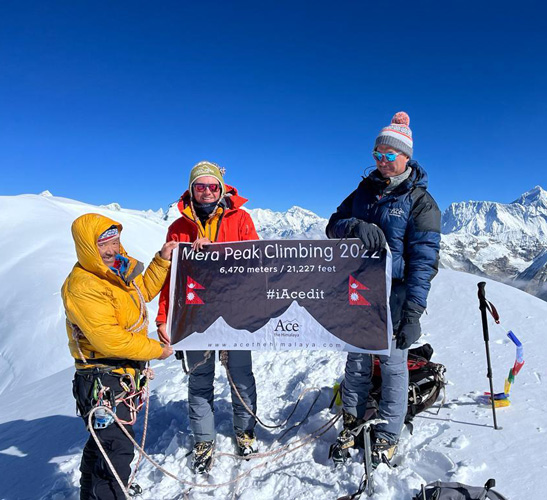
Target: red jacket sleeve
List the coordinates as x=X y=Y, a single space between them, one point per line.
x=247 y=229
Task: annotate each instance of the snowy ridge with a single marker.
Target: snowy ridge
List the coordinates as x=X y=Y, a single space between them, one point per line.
x=526 y=216
x=498 y=240
x=295 y=223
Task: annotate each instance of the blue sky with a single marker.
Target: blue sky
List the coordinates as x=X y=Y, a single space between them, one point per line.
x=115 y=101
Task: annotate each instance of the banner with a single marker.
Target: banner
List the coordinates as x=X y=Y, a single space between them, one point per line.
x=281 y=295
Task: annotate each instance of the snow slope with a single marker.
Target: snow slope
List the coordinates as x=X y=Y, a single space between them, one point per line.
x=41 y=439
x=502 y=241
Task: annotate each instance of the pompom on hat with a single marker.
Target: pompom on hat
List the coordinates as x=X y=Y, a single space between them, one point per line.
x=207 y=168
x=397 y=134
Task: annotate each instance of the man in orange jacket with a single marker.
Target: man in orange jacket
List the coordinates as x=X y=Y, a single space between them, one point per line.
x=211 y=212
x=107 y=326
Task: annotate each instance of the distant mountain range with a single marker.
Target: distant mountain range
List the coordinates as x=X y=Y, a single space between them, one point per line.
x=295 y=223
x=506 y=242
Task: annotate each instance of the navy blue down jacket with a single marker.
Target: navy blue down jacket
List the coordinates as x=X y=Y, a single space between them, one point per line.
x=410 y=220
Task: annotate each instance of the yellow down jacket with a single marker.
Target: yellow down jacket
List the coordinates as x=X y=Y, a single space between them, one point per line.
x=105 y=308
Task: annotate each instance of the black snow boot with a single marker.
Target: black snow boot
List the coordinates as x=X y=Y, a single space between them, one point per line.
x=246 y=443
x=135 y=490
x=382 y=452
x=203 y=456
x=339 y=451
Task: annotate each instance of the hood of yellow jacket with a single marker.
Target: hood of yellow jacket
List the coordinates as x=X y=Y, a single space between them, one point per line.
x=86 y=230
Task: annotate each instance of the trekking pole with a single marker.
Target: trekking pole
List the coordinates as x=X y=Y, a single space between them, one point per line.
x=483 y=307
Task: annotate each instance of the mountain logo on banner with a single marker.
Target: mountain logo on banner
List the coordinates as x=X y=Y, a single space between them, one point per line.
x=191 y=295
x=355 y=298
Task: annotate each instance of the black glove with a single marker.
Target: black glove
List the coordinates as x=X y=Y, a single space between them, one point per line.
x=409 y=328
x=370 y=234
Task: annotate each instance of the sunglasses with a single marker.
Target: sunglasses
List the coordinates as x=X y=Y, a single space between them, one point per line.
x=200 y=187
x=388 y=156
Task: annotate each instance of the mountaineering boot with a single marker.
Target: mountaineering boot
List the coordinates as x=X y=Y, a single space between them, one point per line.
x=135 y=490
x=339 y=451
x=382 y=452
x=203 y=456
x=246 y=443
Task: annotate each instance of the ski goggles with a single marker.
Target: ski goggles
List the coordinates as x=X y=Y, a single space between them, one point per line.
x=200 y=187
x=388 y=156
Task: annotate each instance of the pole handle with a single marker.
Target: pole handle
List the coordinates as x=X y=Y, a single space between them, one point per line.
x=482 y=292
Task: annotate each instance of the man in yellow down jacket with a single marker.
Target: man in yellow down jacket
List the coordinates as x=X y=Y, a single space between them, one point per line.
x=107 y=325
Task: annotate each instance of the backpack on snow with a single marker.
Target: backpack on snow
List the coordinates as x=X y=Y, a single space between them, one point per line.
x=458 y=491
x=425 y=381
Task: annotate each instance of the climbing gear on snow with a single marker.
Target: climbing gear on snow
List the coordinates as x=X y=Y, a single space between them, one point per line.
x=483 y=306
x=273 y=455
x=367 y=481
x=202 y=456
x=382 y=452
x=246 y=443
x=339 y=451
x=501 y=399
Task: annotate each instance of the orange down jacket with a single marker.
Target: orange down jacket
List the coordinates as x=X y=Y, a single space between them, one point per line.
x=102 y=305
x=229 y=223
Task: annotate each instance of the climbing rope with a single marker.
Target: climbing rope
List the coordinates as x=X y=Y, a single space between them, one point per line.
x=278 y=453
x=281 y=451
x=224 y=362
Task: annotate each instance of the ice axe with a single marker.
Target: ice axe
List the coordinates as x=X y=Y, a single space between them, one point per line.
x=483 y=306
x=367 y=481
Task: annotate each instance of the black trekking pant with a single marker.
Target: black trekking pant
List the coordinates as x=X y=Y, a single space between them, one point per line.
x=97 y=481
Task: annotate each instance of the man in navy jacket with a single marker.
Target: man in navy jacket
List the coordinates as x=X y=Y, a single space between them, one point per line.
x=390 y=205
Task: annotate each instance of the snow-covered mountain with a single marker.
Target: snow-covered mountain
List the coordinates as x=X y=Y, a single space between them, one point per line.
x=525 y=216
x=295 y=223
x=502 y=241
